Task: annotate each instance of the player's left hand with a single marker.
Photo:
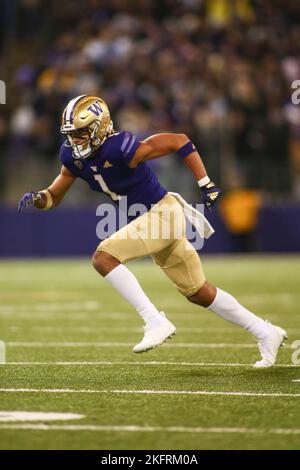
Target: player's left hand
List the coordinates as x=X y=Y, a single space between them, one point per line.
x=210 y=194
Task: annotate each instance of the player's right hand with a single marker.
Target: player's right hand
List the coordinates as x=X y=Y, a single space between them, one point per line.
x=27 y=200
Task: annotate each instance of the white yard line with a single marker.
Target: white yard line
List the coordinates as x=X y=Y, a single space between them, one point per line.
x=143 y=363
x=53 y=306
x=74 y=344
x=46 y=296
x=150 y=392
x=133 y=428
x=93 y=304
x=121 y=329
x=125 y=329
x=6 y=416
x=281 y=297
x=74 y=316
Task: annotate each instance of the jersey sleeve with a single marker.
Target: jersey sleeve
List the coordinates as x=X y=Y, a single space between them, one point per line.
x=128 y=145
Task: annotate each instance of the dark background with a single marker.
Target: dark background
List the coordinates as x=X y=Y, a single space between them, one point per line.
x=220 y=71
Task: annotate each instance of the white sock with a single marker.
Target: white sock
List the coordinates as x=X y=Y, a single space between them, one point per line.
x=230 y=309
x=128 y=286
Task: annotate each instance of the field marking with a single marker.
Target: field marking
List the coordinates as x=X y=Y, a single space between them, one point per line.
x=124 y=329
x=150 y=392
x=40 y=297
x=7 y=416
x=68 y=316
x=53 y=306
x=144 y=363
x=296 y=380
x=92 y=304
x=281 y=297
x=27 y=314
x=48 y=315
x=73 y=344
x=133 y=428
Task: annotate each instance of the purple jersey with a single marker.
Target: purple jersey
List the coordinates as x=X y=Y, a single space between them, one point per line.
x=107 y=171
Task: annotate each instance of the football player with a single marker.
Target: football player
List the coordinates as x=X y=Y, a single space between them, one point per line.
x=116 y=163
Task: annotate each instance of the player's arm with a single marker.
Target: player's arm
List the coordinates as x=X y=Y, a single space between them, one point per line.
x=159 y=145
x=50 y=197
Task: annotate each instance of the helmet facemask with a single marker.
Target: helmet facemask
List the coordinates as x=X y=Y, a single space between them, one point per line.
x=90 y=141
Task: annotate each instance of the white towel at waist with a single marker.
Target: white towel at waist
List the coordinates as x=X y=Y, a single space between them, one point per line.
x=195 y=217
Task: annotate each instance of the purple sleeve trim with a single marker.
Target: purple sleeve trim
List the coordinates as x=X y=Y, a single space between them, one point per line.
x=129 y=146
x=125 y=141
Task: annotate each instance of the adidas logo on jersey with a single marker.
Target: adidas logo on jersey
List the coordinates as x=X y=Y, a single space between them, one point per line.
x=107 y=164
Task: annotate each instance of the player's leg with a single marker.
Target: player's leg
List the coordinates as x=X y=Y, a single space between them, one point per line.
x=182 y=265
x=226 y=306
x=269 y=337
x=132 y=242
x=127 y=285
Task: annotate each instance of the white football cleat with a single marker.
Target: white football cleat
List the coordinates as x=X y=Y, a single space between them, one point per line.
x=155 y=335
x=269 y=347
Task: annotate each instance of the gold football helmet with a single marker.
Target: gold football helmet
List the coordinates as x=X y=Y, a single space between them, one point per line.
x=86 y=123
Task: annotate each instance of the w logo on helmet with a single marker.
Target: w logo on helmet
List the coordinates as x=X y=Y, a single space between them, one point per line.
x=96 y=109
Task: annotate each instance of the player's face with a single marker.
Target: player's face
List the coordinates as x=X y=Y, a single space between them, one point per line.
x=80 y=137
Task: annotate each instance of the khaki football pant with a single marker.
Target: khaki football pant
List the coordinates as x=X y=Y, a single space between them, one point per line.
x=160 y=233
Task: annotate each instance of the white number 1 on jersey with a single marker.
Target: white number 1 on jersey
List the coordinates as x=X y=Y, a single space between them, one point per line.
x=105 y=188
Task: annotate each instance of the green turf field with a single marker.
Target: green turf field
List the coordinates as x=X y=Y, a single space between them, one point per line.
x=68 y=349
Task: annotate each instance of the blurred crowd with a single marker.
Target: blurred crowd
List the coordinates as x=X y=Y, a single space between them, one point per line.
x=220 y=71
